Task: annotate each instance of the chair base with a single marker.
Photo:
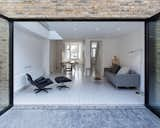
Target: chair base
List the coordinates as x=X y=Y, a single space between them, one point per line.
x=37 y=90
x=62 y=86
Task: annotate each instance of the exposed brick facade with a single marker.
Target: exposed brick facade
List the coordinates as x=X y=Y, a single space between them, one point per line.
x=80 y=8
x=4 y=62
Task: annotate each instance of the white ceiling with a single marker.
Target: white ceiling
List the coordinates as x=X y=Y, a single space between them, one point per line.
x=92 y=30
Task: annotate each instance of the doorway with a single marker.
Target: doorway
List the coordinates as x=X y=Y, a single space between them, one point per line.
x=94 y=46
x=149 y=95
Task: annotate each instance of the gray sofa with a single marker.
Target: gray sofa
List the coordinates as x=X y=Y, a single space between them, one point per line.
x=131 y=79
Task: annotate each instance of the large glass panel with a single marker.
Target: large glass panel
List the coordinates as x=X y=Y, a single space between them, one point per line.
x=4 y=63
x=154 y=65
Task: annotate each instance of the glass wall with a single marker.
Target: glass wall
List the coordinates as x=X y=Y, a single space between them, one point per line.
x=4 y=63
x=154 y=64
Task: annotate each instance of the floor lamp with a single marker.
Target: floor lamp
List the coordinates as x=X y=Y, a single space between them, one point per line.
x=139 y=52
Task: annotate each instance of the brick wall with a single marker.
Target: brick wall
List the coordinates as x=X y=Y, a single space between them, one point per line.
x=4 y=63
x=80 y=8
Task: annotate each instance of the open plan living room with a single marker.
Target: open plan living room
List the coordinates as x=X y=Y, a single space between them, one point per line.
x=79 y=63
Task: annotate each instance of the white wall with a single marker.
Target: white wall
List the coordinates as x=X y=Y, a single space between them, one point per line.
x=31 y=54
x=131 y=52
x=110 y=49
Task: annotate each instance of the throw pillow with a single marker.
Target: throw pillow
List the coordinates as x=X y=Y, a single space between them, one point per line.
x=115 y=68
x=123 y=70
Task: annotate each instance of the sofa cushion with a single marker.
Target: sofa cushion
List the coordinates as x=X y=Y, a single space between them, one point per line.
x=123 y=70
x=115 y=68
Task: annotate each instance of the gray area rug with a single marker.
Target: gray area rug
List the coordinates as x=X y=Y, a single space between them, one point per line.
x=78 y=117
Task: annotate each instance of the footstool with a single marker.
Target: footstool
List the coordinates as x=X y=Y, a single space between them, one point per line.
x=61 y=80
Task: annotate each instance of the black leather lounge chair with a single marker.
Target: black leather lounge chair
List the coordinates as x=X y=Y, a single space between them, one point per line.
x=41 y=83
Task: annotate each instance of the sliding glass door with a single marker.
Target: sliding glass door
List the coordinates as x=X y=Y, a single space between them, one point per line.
x=5 y=95
x=153 y=52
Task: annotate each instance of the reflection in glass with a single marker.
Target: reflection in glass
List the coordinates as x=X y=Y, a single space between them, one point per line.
x=154 y=60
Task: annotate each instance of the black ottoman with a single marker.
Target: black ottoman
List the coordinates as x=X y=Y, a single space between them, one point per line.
x=62 y=80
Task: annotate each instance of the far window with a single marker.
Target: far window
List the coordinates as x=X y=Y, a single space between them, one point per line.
x=93 y=49
x=72 y=50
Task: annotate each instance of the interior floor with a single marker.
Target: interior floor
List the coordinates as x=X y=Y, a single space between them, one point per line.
x=82 y=91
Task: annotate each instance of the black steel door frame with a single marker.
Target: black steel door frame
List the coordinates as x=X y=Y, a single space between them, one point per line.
x=145 y=20
x=147 y=62
x=10 y=23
